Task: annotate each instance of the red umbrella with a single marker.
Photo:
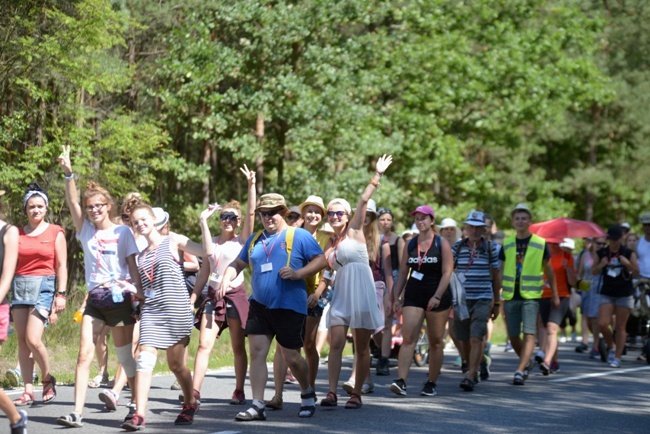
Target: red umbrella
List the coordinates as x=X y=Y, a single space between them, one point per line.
x=557 y=229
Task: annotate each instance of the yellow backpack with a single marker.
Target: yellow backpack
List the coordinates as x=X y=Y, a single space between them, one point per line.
x=288 y=238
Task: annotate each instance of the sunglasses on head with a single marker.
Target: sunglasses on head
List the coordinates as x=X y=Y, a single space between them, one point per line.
x=339 y=214
x=231 y=217
x=270 y=213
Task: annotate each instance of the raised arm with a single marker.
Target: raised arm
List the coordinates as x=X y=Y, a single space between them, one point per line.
x=206 y=237
x=249 y=220
x=186 y=245
x=71 y=193
x=360 y=215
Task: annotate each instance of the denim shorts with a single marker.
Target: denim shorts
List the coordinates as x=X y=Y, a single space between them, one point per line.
x=617 y=301
x=521 y=315
x=36 y=291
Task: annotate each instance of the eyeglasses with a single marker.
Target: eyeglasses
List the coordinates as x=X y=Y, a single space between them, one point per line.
x=97 y=206
x=339 y=214
x=231 y=217
x=266 y=214
x=293 y=216
x=125 y=217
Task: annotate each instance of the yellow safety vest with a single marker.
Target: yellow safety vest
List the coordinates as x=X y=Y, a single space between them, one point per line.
x=531 y=280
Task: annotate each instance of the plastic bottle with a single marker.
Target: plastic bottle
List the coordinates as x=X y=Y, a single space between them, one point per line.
x=325 y=299
x=78 y=315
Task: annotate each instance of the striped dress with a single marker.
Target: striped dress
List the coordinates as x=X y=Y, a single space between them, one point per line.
x=166 y=315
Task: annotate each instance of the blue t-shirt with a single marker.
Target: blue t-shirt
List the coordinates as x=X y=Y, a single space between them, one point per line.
x=269 y=288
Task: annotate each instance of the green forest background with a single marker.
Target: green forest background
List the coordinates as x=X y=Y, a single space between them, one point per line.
x=483 y=103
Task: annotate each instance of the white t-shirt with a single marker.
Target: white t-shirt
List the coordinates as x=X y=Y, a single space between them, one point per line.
x=105 y=252
x=224 y=254
x=643 y=253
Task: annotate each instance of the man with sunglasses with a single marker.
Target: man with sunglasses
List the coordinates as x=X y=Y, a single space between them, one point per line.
x=278 y=303
x=294 y=218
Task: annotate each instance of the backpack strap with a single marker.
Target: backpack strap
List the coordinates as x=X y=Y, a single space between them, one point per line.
x=289 y=240
x=250 y=247
x=458 y=249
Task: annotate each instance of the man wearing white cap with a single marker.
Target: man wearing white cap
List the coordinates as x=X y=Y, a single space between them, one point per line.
x=477 y=264
x=525 y=258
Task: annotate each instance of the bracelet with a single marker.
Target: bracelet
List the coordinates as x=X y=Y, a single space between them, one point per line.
x=373 y=182
x=61 y=294
x=68 y=177
x=436 y=297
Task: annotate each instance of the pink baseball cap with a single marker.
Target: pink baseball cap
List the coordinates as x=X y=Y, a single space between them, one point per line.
x=424 y=209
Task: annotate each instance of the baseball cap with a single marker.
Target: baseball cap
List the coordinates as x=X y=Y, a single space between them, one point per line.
x=521 y=207
x=614 y=233
x=625 y=226
x=424 y=209
x=568 y=243
x=645 y=218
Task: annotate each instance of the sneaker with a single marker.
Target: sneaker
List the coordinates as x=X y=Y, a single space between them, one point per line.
x=467 y=385
x=485 y=367
x=616 y=363
x=545 y=368
x=109 y=398
x=594 y=354
x=252 y=413
x=238 y=397
x=72 y=420
x=290 y=379
x=562 y=339
x=20 y=427
x=555 y=367
x=518 y=379
x=176 y=386
x=368 y=387
x=383 y=367
x=529 y=367
x=539 y=356
x=136 y=423
x=582 y=348
x=508 y=347
x=610 y=357
x=187 y=414
x=348 y=386
x=398 y=387
x=574 y=337
x=458 y=361
x=429 y=389
x=14 y=377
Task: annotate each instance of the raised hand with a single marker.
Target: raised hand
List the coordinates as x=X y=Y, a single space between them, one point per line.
x=250 y=174
x=383 y=163
x=211 y=209
x=64 y=160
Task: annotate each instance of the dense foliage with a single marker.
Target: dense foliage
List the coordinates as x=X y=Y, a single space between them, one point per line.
x=483 y=104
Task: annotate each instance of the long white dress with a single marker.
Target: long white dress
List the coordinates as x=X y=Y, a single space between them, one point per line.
x=354 y=302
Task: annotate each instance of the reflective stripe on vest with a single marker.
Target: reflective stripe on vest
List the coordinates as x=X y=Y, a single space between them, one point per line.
x=532 y=274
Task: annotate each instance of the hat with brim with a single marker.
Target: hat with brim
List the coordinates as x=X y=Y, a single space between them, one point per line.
x=344 y=203
x=371 y=208
x=450 y=223
x=160 y=217
x=271 y=201
x=475 y=218
x=614 y=233
x=2 y=192
x=521 y=207
x=424 y=209
x=294 y=210
x=315 y=201
x=645 y=218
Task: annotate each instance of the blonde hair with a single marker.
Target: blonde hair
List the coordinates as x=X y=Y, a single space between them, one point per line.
x=371 y=232
x=92 y=190
x=129 y=201
x=233 y=204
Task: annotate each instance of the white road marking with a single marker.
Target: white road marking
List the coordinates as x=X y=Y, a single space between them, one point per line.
x=599 y=374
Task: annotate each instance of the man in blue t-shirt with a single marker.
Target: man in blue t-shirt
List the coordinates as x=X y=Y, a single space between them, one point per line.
x=278 y=303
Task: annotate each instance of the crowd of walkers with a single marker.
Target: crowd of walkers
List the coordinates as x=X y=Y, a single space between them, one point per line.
x=315 y=270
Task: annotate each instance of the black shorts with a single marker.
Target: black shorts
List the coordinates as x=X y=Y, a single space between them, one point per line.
x=553 y=314
x=286 y=325
x=421 y=299
x=315 y=311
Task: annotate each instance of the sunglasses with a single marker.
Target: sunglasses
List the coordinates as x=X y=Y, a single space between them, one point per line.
x=231 y=217
x=125 y=217
x=598 y=243
x=293 y=216
x=381 y=211
x=96 y=206
x=339 y=214
x=266 y=214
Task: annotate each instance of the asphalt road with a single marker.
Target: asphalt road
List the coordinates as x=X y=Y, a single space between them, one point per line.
x=585 y=396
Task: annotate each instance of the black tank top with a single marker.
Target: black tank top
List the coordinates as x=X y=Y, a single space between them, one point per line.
x=429 y=264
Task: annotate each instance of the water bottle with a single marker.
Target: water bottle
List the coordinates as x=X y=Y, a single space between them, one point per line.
x=116 y=293
x=78 y=315
x=325 y=299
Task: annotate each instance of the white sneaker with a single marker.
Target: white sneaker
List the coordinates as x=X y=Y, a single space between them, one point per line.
x=616 y=363
x=368 y=387
x=611 y=356
x=562 y=339
x=539 y=356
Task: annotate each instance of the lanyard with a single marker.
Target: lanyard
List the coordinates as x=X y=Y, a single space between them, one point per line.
x=153 y=262
x=423 y=253
x=473 y=255
x=268 y=252
x=335 y=248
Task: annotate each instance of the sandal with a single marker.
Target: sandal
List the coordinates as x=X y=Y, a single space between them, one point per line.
x=27 y=398
x=467 y=385
x=330 y=400
x=49 y=389
x=308 y=410
x=72 y=420
x=354 y=402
